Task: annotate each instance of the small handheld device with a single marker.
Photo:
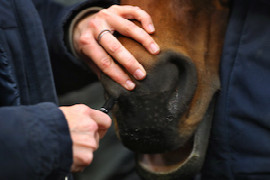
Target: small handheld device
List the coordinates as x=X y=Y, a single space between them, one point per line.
x=108 y=105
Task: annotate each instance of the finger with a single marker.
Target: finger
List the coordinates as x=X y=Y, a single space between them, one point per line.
x=123 y=56
x=82 y=156
x=134 y=12
x=105 y=63
x=86 y=140
x=129 y=29
x=103 y=120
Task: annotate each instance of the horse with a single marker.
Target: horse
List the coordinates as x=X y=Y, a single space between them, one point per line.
x=166 y=120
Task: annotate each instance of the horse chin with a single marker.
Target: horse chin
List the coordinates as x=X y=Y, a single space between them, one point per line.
x=184 y=162
x=165 y=162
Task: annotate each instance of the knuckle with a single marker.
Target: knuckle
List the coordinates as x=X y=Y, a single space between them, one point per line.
x=104 y=13
x=95 y=146
x=105 y=62
x=94 y=24
x=84 y=39
x=114 y=6
x=131 y=8
x=129 y=63
x=145 y=15
x=143 y=12
x=83 y=108
x=147 y=41
x=87 y=160
x=120 y=77
x=115 y=48
x=129 y=26
x=146 y=38
x=136 y=8
x=92 y=126
x=142 y=32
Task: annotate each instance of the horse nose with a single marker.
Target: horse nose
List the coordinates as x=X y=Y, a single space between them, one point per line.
x=148 y=118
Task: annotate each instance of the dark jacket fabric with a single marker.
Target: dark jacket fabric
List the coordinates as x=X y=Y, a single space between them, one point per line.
x=240 y=141
x=34 y=137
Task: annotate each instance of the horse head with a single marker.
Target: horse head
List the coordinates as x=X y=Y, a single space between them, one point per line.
x=166 y=120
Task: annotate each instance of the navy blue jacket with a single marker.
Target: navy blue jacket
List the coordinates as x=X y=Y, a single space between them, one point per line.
x=240 y=141
x=34 y=138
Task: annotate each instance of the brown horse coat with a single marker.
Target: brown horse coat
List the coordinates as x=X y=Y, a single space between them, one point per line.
x=160 y=120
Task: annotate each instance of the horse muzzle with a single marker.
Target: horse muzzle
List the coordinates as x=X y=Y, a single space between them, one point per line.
x=148 y=118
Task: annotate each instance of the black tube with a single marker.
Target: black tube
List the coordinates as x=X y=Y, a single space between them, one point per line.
x=108 y=105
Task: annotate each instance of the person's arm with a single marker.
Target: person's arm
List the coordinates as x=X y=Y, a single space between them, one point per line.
x=34 y=142
x=85 y=35
x=43 y=141
x=105 y=51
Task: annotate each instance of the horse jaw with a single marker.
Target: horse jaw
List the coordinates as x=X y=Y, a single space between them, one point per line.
x=184 y=162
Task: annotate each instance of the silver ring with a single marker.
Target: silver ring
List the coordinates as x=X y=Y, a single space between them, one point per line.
x=102 y=33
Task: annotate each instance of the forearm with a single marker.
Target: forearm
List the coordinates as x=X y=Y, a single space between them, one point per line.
x=35 y=141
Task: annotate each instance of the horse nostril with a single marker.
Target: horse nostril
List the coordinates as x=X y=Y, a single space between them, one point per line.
x=148 y=117
x=187 y=81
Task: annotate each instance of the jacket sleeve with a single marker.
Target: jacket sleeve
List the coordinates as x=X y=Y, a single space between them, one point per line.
x=68 y=71
x=35 y=142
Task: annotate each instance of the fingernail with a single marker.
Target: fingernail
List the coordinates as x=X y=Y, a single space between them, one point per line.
x=154 y=48
x=139 y=74
x=129 y=85
x=151 y=27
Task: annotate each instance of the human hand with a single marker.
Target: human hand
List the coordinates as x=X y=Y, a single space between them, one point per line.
x=87 y=127
x=115 y=18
